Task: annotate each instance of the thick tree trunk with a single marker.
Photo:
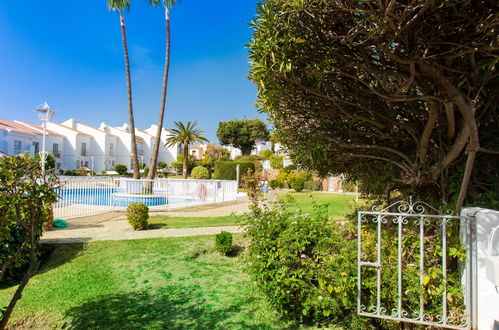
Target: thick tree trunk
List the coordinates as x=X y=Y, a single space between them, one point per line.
x=154 y=157
x=186 y=158
x=135 y=163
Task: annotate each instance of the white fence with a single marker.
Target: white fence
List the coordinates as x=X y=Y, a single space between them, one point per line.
x=85 y=196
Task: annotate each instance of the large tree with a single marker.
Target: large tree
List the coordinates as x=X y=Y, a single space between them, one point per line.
x=154 y=157
x=242 y=133
x=185 y=135
x=120 y=6
x=399 y=94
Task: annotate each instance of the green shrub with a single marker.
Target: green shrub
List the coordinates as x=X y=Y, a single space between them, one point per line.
x=284 y=176
x=223 y=242
x=306 y=269
x=313 y=185
x=200 y=172
x=276 y=162
x=26 y=196
x=120 y=169
x=225 y=170
x=297 y=181
x=137 y=215
x=266 y=154
x=274 y=184
x=347 y=186
x=146 y=171
x=178 y=166
x=162 y=165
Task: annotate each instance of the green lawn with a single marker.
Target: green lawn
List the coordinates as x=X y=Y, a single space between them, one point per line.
x=190 y=222
x=339 y=204
x=142 y=284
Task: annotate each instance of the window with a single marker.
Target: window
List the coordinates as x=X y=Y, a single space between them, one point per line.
x=111 y=149
x=86 y=163
x=55 y=150
x=58 y=166
x=36 y=147
x=18 y=146
x=83 y=149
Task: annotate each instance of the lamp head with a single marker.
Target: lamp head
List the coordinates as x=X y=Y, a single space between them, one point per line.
x=44 y=113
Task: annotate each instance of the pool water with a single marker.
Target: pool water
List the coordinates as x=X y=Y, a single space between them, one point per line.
x=112 y=197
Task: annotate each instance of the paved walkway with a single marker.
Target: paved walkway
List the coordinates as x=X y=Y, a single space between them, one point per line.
x=114 y=226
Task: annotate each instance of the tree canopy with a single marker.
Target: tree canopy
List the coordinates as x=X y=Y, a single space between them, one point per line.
x=242 y=133
x=401 y=95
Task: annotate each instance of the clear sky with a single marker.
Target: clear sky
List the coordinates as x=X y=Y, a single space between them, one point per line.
x=69 y=53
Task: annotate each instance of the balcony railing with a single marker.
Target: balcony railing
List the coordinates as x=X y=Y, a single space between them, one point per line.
x=57 y=154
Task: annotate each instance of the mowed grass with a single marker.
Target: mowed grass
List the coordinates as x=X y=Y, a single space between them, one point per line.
x=339 y=204
x=191 y=222
x=141 y=284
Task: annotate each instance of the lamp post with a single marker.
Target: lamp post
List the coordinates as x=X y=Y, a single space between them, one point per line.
x=45 y=115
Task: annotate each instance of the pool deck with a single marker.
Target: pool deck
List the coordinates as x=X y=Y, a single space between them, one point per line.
x=114 y=226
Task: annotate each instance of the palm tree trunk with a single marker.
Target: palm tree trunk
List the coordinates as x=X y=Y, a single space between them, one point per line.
x=154 y=157
x=186 y=157
x=135 y=163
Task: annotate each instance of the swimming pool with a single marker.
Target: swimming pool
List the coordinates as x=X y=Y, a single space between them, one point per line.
x=113 y=197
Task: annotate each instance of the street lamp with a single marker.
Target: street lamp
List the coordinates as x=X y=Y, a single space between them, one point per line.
x=45 y=115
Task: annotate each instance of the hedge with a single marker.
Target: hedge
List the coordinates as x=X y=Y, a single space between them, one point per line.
x=225 y=170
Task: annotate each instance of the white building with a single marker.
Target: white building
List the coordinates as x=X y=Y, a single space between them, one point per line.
x=75 y=144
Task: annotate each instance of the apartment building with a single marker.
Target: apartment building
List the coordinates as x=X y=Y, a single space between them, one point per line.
x=75 y=144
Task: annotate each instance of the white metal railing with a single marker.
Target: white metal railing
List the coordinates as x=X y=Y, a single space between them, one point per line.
x=91 y=195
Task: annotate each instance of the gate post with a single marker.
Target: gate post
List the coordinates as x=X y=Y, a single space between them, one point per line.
x=473 y=270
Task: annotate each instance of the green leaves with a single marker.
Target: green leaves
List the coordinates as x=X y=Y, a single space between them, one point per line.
x=306 y=270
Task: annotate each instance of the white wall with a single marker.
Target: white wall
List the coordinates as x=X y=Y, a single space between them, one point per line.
x=488 y=298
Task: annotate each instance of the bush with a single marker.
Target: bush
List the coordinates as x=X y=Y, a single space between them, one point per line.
x=276 y=162
x=137 y=215
x=200 y=172
x=284 y=176
x=347 y=186
x=26 y=197
x=306 y=269
x=297 y=181
x=179 y=164
x=313 y=185
x=223 y=242
x=256 y=160
x=274 y=184
x=120 y=169
x=225 y=170
x=266 y=154
x=162 y=165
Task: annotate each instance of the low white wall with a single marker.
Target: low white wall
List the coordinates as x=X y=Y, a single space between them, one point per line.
x=488 y=298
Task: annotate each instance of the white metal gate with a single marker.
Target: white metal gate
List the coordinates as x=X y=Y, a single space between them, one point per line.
x=417 y=265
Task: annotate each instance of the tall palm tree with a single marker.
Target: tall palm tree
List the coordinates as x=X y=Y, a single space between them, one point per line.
x=154 y=157
x=120 y=6
x=185 y=135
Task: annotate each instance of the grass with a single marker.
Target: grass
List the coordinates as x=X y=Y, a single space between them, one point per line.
x=141 y=284
x=339 y=204
x=191 y=222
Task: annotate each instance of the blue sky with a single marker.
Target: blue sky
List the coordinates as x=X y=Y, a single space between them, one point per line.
x=69 y=54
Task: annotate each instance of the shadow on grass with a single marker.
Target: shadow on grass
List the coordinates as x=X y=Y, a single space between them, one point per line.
x=170 y=307
x=58 y=254
x=51 y=256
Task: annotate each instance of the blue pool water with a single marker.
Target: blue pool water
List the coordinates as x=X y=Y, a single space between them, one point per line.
x=111 y=197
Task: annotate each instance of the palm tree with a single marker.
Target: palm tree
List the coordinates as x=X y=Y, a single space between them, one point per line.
x=120 y=6
x=185 y=135
x=154 y=157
